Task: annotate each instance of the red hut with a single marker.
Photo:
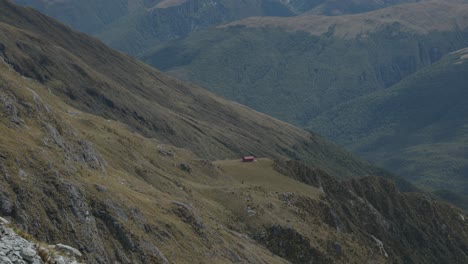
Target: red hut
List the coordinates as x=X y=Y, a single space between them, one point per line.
x=248 y=158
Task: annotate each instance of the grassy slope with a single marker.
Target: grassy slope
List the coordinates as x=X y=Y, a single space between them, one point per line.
x=416 y=128
x=298 y=76
x=113 y=194
x=94 y=78
x=261 y=173
x=76 y=178
x=105 y=211
x=128 y=207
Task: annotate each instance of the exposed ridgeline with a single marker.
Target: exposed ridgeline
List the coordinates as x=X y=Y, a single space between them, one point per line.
x=94 y=78
x=134 y=26
x=295 y=68
x=417 y=128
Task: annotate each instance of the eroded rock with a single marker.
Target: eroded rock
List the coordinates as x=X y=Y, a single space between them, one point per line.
x=188 y=215
x=291 y=245
x=68 y=249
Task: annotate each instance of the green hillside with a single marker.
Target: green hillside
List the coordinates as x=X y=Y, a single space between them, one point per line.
x=134 y=26
x=333 y=7
x=417 y=128
x=294 y=75
x=118 y=196
x=89 y=158
x=293 y=68
x=93 y=78
x=306 y=69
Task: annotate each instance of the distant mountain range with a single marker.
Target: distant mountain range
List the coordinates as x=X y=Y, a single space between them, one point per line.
x=134 y=26
x=417 y=128
x=301 y=62
x=128 y=165
x=295 y=68
x=91 y=77
x=306 y=69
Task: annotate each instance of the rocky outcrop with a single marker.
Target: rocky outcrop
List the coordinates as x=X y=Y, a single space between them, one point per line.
x=188 y=214
x=14 y=249
x=401 y=227
x=291 y=245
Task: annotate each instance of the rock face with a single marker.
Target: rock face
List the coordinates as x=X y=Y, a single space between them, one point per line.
x=15 y=249
x=69 y=250
x=372 y=209
x=291 y=245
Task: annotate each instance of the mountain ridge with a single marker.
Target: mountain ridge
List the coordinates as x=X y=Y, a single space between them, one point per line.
x=87 y=75
x=81 y=176
x=311 y=73
x=407 y=16
x=301 y=78
x=415 y=127
x=135 y=26
x=117 y=196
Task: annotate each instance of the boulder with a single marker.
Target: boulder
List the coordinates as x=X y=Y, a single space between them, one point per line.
x=3 y=221
x=185 y=167
x=5 y=260
x=28 y=254
x=69 y=250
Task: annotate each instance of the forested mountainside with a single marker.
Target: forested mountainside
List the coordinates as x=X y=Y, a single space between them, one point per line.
x=416 y=128
x=94 y=78
x=308 y=70
x=107 y=155
x=137 y=25
x=295 y=68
